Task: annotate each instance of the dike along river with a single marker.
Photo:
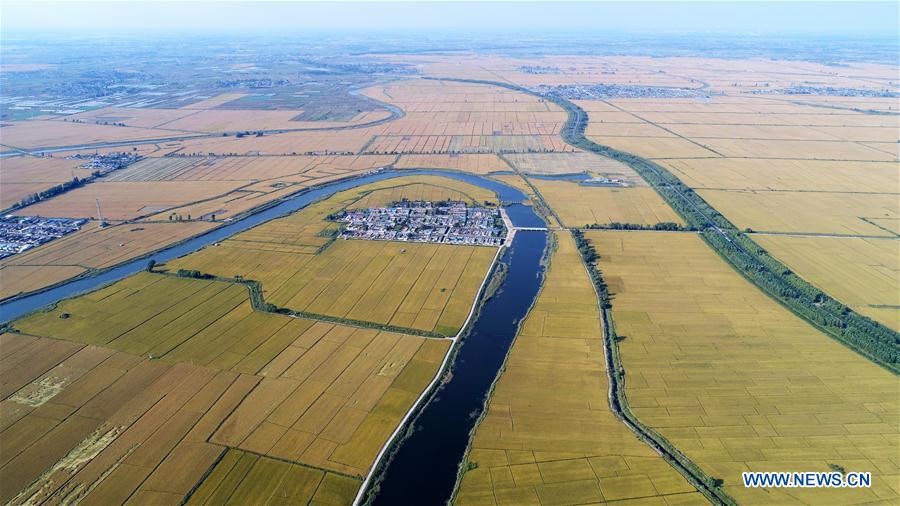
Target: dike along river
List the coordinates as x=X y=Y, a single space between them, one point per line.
x=424 y=466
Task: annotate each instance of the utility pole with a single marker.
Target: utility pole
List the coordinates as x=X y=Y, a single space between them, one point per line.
x=100 y=214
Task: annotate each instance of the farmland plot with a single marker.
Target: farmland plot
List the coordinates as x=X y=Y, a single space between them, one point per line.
x=579 y=205
x=738 y=383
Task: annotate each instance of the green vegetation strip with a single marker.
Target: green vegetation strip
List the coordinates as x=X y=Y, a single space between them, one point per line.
x=707 y=485
x=870 y=339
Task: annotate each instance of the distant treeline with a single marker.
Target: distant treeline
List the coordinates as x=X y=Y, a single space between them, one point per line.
x=666 y=225
x=869 y=338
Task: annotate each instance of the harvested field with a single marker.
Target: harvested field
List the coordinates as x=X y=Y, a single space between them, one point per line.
x=578 y=205
x=126 y=200
x=221 y=120
x=16 y=279
x=862 y=273
x=23 y=176
x=259 y=179
x=294 y=143
x=50 y=133
x=476 y=164
x=89 y=248
x=738 y=383
x=811 y=212
x=131 y=116
x=549 y=436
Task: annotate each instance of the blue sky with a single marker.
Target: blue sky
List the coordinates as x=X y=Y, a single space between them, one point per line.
x=763 y=18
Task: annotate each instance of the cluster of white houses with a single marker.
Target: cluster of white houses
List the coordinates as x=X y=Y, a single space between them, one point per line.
x=450 y=222
x=19 y=233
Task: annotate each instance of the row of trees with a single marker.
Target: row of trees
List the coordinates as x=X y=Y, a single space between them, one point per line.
x=55 y=190
x=666 y=226
x=590 y=256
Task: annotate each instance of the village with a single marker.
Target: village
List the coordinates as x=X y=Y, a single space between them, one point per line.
x=19 y=233
x=449 y=222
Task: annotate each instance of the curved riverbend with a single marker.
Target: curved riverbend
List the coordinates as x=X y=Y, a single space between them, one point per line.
x=22 y=305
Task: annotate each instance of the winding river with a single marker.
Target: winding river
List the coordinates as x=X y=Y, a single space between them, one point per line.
x=424 y=466
x=15 y=308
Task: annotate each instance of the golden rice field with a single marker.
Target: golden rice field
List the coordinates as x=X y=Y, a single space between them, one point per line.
x=246 y=168
x=16 y=279
x=425 y=191
x=578 y=205
x=91 y=247
x=549 y=436
x=416 y=285
x=171 y=319
x=656 y=147
x=461 y=143
x=304 y=392
x=474 y=163
x=573 y=163
x=245 y=478
x=833 y=213
x=737 y=382
x=334 y=397
x=86 y=423
x=862 y=273
x=796 y=175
